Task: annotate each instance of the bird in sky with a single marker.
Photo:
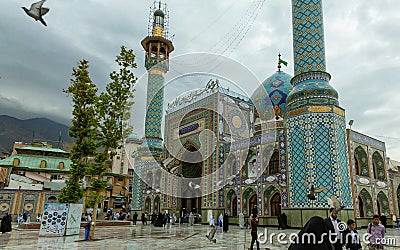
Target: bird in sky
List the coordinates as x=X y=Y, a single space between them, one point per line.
x=37 y=11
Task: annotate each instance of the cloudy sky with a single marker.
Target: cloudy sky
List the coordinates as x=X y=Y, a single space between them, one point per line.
x=362 y=46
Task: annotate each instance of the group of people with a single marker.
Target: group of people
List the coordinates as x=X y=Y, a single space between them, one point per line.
x=26 y=217
x=328 y=235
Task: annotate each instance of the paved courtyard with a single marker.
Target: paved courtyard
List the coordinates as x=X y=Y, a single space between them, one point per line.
x=148 y=237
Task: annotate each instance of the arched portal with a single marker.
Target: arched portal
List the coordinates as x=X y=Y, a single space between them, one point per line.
x=253 y=207
x=147 y=205
x=275 y=204
x=190 y=167
x=383 y=204
x=367 y=203
x=157 y=205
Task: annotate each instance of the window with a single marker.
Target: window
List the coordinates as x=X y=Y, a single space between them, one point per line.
x=61 y=165
x=43 y=164
x=274 y=163
x=16 y=162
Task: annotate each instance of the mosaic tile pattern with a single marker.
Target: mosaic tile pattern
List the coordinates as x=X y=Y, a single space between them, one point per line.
x=317 y=155
x=384 y=203
x=308 y=36
x=362 y=160
x=270 y=98
x=367 y=202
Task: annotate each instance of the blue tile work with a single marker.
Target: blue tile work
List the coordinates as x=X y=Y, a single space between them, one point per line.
x=317 y=155
x=154 y=111
x=270 y=98
x=283 y=180
x=308 y=36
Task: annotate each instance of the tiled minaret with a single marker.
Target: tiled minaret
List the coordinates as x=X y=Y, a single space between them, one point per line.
x=315 y=122
x=157 y=47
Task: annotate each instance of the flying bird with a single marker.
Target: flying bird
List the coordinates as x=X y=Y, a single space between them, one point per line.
x=37 y=12
x=335 y=203
x=314 y=191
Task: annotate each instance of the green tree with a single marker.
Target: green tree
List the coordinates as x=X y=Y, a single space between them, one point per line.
x=83 y=128
x=100 y=126
x=113 y=111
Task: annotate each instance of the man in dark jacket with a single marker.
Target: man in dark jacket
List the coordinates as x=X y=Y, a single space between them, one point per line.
x=332 y=223
x=350 y=236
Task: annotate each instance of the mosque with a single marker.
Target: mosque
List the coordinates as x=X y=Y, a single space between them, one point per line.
x=285 y=149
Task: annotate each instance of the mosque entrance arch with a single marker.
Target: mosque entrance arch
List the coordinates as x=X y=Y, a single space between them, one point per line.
x=190 y=167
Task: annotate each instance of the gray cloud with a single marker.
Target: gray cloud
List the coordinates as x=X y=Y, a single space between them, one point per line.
x=362 y=45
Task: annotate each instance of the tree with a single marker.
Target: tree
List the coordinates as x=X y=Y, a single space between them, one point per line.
x=83 y=128
x=99 y=124
x=113 y=110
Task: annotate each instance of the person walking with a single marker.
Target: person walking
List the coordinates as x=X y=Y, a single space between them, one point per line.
x=254 y=235
x=377 y=232
x=135 y=216
x=226 y=222
x=332 y=223
x=350 y=236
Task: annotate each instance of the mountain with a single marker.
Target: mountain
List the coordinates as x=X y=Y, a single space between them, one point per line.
x=16 y=130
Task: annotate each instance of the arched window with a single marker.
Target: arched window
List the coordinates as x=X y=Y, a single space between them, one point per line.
x=361 y=162
x=52 y=199
x=274 y=163
x=379 y=167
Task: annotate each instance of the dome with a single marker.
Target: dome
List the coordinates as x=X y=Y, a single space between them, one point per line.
x=159 y=13
x=270 y=98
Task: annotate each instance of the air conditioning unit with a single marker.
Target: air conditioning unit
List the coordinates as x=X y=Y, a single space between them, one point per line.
x=21 y=172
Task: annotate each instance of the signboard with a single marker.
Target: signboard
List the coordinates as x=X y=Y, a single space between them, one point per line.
x=60 y=219
x=74 y=219
x=54 y=219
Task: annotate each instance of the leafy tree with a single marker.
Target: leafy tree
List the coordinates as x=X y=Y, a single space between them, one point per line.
x=113 y=110
x=99 y=124
x=83 y=128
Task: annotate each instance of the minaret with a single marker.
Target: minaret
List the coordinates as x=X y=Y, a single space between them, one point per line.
x=315 y=123
x=157 y=48
x=150 y=154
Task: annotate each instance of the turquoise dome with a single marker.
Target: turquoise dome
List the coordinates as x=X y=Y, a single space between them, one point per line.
x=270 y=98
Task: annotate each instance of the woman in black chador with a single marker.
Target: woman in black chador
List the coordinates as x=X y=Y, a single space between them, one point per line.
x=160 y=220
x=5 y=225
x=225 y=224
x=316 y=227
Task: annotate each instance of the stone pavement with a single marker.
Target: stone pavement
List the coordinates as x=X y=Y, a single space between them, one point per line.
x=149 y=237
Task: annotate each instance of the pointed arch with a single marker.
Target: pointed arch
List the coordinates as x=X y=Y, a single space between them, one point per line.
x=383 y=204
x=275 y=204
x=379 y=166
x=361 y=162
x=247 y=194
x=361 y=207
x=157 y=205
x=147 y=205
x=231 y=203
x=368 y=207
x=268 y=193
x=273 y=166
